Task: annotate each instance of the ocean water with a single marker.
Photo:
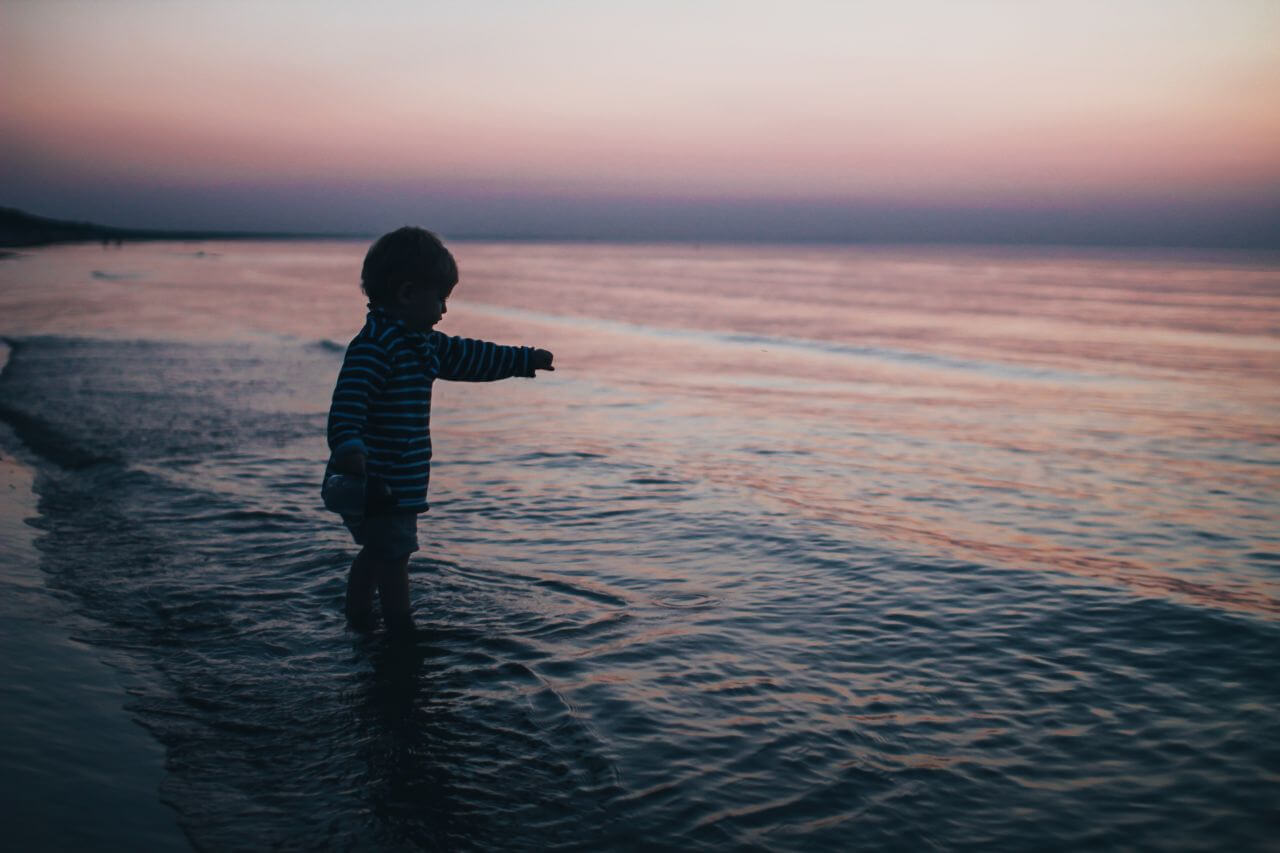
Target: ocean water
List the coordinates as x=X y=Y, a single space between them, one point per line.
x=898 y=548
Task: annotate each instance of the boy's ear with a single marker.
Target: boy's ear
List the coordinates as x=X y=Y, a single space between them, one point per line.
x=403 y=292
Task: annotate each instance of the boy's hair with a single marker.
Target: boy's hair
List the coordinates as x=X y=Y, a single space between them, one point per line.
x=406 y=254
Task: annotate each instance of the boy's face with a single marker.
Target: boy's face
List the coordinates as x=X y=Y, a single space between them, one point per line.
x=421 y=306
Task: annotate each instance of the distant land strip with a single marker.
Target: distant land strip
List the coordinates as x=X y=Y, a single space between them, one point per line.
x=20 y=229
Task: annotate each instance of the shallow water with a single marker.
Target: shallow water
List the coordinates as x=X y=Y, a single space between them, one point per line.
x=799 y=547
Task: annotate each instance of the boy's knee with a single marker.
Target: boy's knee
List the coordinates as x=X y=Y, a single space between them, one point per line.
x=393 y=568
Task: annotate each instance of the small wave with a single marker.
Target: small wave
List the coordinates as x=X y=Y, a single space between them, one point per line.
x=564 y=459
x=49 y=442
x=911 y=357
x=581 y=590
x=330 y=346
x=103 y=275
x=686 y=601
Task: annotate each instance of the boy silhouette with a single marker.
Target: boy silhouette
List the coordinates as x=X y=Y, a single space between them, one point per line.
x=379 y=428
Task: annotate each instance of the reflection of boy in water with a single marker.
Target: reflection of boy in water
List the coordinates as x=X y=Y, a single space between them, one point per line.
x=379 y=422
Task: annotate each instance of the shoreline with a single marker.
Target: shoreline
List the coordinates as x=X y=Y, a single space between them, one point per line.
x=19 y=230
x=81 y=773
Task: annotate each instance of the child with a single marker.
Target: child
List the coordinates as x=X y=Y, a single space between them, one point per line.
x=379 y=422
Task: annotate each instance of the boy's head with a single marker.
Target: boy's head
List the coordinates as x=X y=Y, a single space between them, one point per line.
x=406 y=267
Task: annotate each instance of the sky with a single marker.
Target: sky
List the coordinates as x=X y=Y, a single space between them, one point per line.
x=1118 y=122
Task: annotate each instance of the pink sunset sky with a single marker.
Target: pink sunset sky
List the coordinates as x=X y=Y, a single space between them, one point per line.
x=910 y=120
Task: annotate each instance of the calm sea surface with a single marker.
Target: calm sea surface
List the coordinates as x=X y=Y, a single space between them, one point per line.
x=799 y=548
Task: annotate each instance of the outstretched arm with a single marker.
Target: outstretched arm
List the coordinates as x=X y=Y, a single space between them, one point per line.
x=470 y=360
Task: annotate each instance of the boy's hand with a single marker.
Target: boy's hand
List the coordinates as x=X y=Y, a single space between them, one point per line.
x=350 y=463
x=542 y=360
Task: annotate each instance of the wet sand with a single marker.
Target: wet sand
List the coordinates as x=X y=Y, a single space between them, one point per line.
x=79 y=774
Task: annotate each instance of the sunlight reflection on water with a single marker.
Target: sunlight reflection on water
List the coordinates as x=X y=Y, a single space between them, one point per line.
x=796 y=543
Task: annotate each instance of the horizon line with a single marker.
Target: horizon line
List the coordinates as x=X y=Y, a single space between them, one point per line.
x=81 y=231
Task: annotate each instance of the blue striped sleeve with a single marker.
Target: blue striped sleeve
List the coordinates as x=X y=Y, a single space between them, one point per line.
x=364 y=371
x=469 y=360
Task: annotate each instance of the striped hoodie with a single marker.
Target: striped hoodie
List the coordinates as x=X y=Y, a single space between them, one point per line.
x=382 y=402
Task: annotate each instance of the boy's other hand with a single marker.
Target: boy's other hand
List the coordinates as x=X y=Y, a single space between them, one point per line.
x=542 y=360
x=350 y=463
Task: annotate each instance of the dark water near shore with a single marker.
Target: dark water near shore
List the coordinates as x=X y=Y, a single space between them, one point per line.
x=799 y=548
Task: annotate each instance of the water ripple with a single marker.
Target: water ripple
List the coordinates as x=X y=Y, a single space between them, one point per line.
x=700 y=598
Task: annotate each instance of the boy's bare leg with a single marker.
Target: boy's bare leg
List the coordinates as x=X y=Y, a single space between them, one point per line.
x=393 y=588
x=360 y=586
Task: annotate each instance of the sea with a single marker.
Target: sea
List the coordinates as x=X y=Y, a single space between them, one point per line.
x=798 y=548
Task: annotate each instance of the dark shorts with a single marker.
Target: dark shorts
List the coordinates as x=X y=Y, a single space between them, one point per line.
x=387 y=536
